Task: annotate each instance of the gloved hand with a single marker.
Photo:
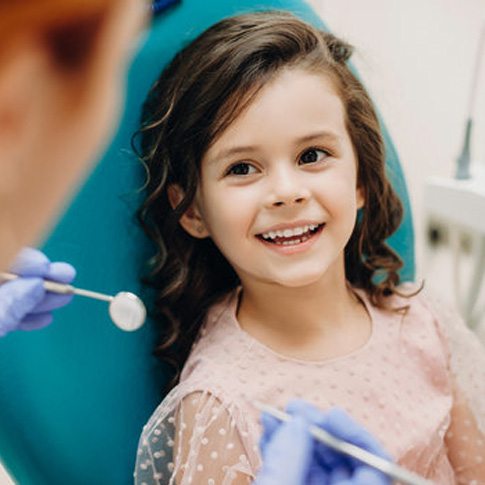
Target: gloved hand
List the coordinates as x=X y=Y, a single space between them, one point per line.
x=291 y=456
x=24 y=303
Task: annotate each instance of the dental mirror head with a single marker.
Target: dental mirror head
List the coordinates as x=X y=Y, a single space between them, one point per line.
x=127 y=311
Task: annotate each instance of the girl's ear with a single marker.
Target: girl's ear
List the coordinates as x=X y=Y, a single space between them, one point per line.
x=191 y=220
x=360 y=198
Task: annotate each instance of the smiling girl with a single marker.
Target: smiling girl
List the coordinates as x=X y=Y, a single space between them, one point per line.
x=261 y=147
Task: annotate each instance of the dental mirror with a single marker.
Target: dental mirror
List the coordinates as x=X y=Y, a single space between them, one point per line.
x=126 y=310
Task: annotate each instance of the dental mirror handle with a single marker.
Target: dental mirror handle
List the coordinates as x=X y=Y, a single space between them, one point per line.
x=62 y=288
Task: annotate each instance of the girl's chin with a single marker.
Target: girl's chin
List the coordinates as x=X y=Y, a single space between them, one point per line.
x=309 y=274
x=298 y=280
x=301 y=283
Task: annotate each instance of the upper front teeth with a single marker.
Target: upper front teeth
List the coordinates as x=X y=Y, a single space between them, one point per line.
x=296 y=231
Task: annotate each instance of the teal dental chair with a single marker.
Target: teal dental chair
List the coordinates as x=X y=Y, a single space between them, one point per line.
x=74 y=396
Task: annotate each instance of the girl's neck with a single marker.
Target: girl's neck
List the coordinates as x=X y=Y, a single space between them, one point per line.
x=318 y=322
x=300 y=312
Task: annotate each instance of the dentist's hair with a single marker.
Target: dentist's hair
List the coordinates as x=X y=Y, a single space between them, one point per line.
x=201 y=92
x=67 y=29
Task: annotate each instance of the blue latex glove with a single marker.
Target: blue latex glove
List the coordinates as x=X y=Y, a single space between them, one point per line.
x=291 y=456
x=24 y=304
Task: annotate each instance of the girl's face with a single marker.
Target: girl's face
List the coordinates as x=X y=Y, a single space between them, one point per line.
x=278 y=192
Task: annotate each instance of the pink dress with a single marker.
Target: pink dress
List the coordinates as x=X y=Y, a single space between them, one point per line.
x=423 y=403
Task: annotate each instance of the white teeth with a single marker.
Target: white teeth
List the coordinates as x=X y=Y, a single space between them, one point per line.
x=296 y=231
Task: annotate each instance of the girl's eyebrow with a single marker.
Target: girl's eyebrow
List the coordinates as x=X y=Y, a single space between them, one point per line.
x=233 y=151
x=328 y=135
x=236 y=150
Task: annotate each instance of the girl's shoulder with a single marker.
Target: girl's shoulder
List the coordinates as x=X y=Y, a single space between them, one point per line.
x=197 y=431
x=423 y=303
x=413 y=320
x=409 y=303
x=219 y=343
x=428 y=312
x=222 y=359
x=415 y=300
x=464 y=349
x=203 y=414
x=201 y=428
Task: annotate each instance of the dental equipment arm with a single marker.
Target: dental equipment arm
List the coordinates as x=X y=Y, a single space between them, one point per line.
x=24 y=303
x=464 y=159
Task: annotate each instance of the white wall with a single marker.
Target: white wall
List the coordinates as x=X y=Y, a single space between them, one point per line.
x=416 y=58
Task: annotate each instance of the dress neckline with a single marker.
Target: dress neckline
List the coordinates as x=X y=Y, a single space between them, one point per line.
x=254 y=342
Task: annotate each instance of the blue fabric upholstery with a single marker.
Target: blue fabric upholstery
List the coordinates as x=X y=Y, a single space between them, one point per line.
x=73 y=397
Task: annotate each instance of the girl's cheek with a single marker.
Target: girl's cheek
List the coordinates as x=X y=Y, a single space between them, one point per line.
x=247 y=194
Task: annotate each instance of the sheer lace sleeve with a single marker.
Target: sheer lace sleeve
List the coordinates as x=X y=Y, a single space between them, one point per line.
x=465 y=438
x=197 y=439
x=466 y=444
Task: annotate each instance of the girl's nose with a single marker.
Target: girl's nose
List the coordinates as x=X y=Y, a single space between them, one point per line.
x=287 y=190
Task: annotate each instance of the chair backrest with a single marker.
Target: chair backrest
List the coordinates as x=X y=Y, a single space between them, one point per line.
x=74 y=397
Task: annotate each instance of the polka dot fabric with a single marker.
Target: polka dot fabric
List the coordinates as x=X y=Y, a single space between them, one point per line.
x=466 y=357
x=197 y=439
x=418 y=385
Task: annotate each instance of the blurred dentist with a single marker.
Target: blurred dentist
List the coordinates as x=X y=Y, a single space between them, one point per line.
x=62 y=70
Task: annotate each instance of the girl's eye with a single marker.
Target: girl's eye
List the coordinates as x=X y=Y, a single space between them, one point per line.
x=313 y=155
x=241 y=169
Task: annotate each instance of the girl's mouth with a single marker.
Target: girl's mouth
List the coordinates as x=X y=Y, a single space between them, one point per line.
x=291 y=237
